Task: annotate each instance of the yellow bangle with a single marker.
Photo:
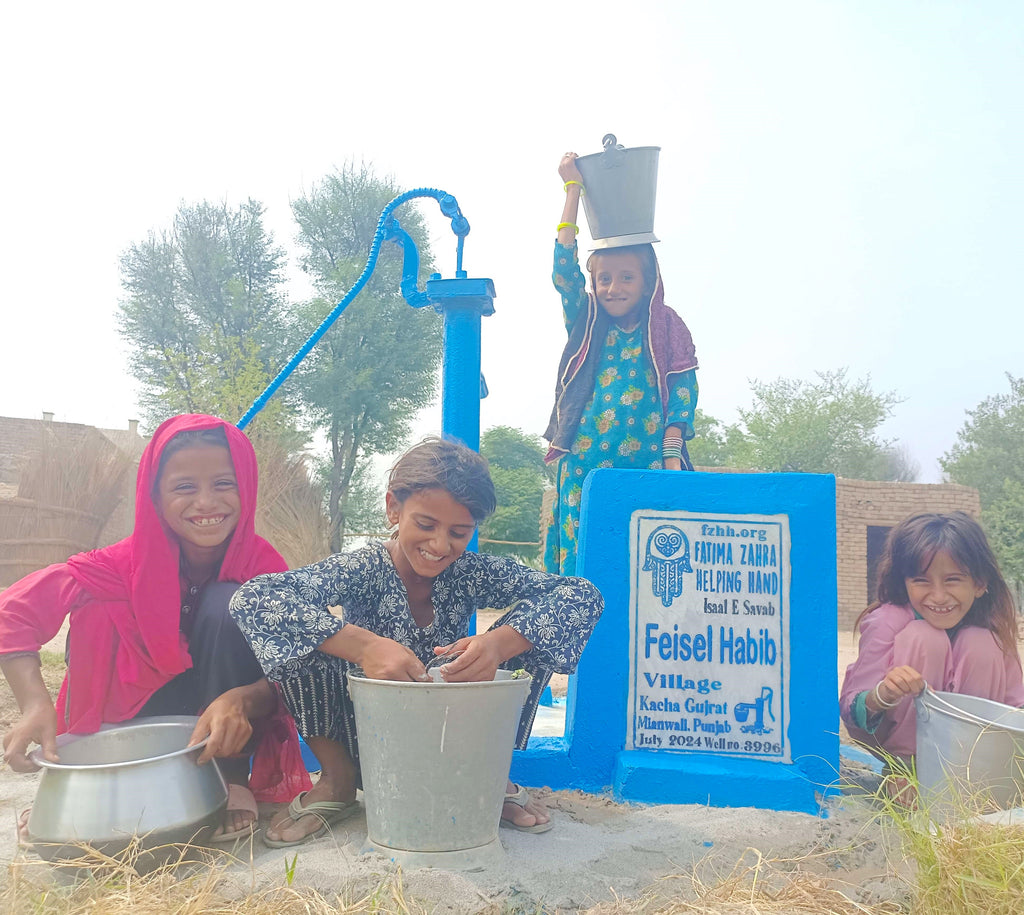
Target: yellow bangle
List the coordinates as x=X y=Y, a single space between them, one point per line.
x=568 y=225
x=579 y=184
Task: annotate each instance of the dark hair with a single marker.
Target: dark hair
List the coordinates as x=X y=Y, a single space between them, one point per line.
x=910 y=549
x=437 y=463
x=188 y=439
x=648 y=264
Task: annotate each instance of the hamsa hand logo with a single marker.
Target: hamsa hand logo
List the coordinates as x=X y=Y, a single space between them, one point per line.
x=667 y=558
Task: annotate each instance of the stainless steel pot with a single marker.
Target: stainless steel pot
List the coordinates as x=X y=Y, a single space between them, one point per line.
x=137 y=779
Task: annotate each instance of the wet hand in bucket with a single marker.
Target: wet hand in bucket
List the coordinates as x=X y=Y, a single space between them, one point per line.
x=436 y=663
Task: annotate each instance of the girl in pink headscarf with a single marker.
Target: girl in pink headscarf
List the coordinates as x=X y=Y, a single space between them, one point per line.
x=149 y=629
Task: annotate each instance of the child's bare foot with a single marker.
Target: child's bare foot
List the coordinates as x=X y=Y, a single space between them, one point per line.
x=522 y=812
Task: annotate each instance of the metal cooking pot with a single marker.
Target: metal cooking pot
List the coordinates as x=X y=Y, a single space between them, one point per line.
x=138 y=779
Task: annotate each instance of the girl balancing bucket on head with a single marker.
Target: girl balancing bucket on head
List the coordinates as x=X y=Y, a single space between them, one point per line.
x=626 y=391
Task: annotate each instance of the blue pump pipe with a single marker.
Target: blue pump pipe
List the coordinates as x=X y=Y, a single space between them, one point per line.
x=462 y=301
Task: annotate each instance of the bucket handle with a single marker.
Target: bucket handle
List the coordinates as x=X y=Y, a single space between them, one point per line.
x=923 y=711
x=941 y=705
x=614 y=152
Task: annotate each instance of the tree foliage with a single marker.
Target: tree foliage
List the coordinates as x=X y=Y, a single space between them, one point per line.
x=520 y=477
x=377 y=365
x=989 y=455
x=715 y=444
x=202 y=313
x=824 y=426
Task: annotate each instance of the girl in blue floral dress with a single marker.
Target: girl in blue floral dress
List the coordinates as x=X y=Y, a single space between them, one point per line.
x=626 y=391
x=403 y=603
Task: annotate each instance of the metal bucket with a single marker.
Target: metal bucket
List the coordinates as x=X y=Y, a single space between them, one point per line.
x=970 y=752
x=131 y=783
x=434 y=759
x=621 y=186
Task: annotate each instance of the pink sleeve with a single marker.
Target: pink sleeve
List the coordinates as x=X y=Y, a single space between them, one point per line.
x=1014 y=681
x=874 y=654
x=33 y=608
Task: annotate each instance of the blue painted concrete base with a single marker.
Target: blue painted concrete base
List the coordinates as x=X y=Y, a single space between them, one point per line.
x=597 y=755
x=706 y=780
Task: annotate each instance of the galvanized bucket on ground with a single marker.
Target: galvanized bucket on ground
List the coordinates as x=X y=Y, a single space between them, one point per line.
x=434 y=759
x=970 y=752
x=621 y=187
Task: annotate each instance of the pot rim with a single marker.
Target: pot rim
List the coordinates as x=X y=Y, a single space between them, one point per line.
x=37 y=757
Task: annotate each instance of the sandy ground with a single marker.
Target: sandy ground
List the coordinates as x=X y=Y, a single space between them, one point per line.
x=597 y=851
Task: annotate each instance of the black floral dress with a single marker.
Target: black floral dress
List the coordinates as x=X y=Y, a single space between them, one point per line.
x=285 y=616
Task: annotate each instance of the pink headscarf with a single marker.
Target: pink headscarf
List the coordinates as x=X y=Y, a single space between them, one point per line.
x=130 y=631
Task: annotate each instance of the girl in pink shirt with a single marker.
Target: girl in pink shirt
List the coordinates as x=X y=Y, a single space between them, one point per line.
x=149 y=628
x=944 y=617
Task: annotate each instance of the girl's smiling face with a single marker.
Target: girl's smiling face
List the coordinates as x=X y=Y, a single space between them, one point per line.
x=197 y=497
x=433 y=531
x=944 y=593
x=618 y=283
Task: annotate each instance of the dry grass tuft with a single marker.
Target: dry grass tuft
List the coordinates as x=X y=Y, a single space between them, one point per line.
x=194 y=882
x=968 y=868
x=764 y=886
x=70 y=488
x=964 y=864
x=85 y=473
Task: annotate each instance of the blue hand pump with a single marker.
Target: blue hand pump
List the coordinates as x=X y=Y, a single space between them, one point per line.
x=461 y=301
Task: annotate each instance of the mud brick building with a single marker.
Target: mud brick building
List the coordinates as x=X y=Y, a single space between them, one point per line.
x=865 y=512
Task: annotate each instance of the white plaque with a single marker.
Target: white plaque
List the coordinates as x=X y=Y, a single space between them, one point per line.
x=709 y=634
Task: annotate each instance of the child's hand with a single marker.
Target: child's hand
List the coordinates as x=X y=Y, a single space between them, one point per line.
x=226 y=725
x=386 y=659
x=567 y=168
x=37 y=725
x=478 y=659
x=481 y=655
x=897 y=684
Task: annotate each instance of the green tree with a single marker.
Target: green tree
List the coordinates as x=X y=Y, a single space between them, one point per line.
x=202 y=313
x=715 y=444
x=377 y=365
x=826 y=426
x=989 y=455
x=520 y=477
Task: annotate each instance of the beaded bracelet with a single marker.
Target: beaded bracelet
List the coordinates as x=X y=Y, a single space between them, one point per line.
x=880 y=701
x=568 y=225
x=579 y=184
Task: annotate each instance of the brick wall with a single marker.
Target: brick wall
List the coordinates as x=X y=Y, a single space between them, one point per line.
x=861 y=504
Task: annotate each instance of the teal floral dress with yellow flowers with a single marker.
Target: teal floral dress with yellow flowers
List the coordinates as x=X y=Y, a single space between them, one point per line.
x=622 y=424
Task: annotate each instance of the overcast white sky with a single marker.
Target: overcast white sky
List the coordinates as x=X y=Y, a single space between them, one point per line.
x=840 y=182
